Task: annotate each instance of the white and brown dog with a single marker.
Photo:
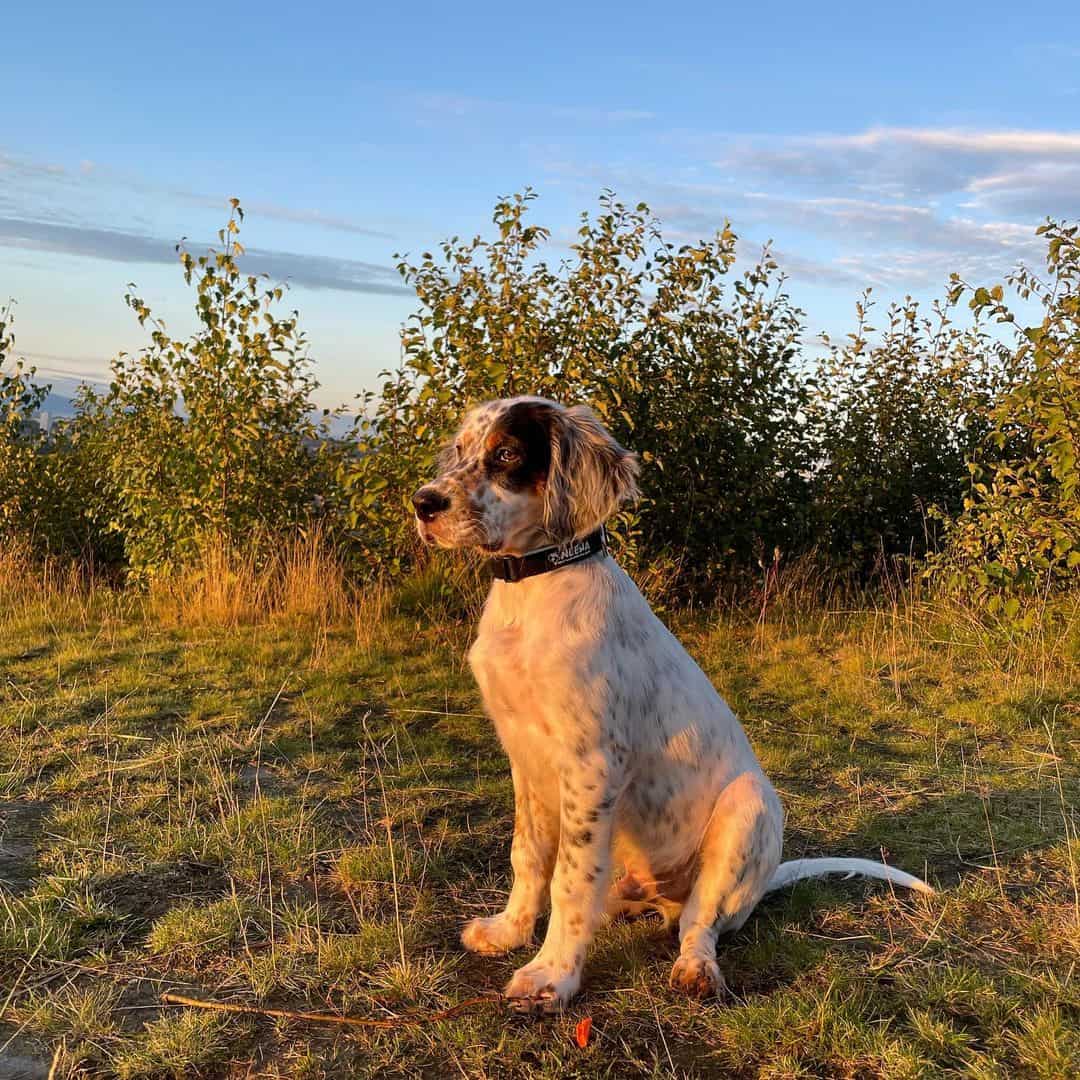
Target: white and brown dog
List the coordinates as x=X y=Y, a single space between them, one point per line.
x=622 y=752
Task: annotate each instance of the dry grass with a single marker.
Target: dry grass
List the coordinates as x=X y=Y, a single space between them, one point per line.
x=298 y=576
x=28 y=581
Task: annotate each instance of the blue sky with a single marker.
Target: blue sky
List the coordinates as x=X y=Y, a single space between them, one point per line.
x=875 y=145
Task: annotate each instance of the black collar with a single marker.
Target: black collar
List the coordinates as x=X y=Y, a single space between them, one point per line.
x=540 y=561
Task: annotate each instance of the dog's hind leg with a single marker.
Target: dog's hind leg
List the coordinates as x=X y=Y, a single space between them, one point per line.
x=739 y=852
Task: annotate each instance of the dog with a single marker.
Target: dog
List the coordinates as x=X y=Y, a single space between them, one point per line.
x=622 y=752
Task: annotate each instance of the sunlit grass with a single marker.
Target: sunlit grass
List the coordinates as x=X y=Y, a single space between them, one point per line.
x=299 y=807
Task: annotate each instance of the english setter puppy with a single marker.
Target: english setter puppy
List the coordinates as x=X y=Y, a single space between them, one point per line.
x=622 y=752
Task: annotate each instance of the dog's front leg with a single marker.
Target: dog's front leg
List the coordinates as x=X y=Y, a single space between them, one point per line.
x=532 y=856
x=589 y=788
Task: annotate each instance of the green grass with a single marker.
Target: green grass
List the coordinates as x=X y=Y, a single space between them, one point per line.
x=301 y=816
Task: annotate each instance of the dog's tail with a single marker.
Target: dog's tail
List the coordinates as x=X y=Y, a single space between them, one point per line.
x=797 y=869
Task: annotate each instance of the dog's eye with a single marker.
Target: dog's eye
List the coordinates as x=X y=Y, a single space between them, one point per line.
x=506 y=455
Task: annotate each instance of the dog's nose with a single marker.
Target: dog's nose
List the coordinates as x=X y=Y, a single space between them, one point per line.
x=429 y=503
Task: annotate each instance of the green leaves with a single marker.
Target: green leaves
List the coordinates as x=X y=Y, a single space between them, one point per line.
x=888 y=441
x=1020 y=530
x=212 y=439
x=648 y=334
x=20 y=436
x=897 y=414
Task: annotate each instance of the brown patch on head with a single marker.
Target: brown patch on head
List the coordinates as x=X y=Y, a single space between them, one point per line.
x=527 y=472
x=517 y=449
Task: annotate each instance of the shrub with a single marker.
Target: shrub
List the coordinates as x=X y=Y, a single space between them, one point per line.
x=212 y=440
x=693 y=370
x=896 y=416
x=20 y=436
x=1020 y=526
x=207 y=453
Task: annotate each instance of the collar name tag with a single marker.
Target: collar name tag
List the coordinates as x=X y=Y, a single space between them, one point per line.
x=518 y=567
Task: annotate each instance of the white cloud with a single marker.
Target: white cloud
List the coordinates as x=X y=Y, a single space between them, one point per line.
x=920 y=164
x=48 y=190
x=1041 y=143
x=901 y=207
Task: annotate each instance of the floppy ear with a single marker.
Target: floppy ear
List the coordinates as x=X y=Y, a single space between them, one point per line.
x=590 y=476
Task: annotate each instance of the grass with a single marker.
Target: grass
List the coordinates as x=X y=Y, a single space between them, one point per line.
x=299 y=808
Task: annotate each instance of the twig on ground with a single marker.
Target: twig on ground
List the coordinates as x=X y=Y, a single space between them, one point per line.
x=330 y=1018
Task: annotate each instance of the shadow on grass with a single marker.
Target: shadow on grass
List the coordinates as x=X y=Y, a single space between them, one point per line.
x=792 y=930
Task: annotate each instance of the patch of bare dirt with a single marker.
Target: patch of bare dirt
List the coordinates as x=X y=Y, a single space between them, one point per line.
x=21 y=824
x=20 y=1059
x=146 y=894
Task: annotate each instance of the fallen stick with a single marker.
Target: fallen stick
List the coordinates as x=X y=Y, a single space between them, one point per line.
x=330 y=1018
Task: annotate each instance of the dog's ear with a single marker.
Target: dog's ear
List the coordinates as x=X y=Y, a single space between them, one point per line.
x=590 y=476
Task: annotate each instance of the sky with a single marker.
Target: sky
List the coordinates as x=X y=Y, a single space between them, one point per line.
x=874 y=145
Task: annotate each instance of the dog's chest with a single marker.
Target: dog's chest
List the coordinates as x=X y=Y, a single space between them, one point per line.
x=504 y=670
x=515 y=671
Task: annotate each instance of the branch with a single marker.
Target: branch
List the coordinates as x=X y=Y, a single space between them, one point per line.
x=331 y=1018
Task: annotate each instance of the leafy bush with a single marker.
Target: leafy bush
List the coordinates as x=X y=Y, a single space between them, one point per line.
x=895 y=417
x=1020 y=527
x=205 y=447
x=213 y=439
x=20 y=436
x=49 y=483
x=696 y=374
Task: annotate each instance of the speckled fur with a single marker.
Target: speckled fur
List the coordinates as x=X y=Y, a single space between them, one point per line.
x=624 y=757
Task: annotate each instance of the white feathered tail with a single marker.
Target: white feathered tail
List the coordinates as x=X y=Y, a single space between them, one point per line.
x=798 y=869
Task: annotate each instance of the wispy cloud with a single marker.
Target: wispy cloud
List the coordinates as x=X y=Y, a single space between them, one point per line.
x=30 y=183
x=896 y=207
x=923 y=164
x=1031 y=190
x=302 y=216
x=865 y=220
x=1040 y=143
x=310 y=271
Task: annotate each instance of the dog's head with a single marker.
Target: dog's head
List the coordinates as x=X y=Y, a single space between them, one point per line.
x=522 y=473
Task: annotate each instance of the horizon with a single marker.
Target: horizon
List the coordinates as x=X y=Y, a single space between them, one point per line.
x=395 y=141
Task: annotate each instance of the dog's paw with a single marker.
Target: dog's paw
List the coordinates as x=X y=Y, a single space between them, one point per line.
x=498 y=934
x=697 y=976
x=536 y=989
